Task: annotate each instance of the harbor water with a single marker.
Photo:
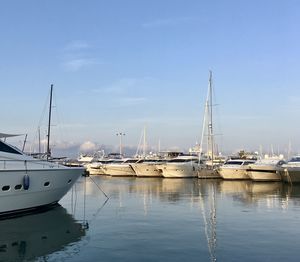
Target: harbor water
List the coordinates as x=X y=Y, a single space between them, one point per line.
x=158 y=219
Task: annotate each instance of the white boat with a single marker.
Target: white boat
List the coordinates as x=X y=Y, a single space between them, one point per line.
x=235 y=169
x=120 y=167
x=265 y=170
x=147 y=168
x=290 y=171
x=27 y=183
x=181 y=166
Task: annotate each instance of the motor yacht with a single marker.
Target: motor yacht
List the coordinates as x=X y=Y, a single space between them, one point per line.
x=181 y=166
x=120 y=167
x=235 y=169
x=147 y=168
x=265 y=170
x=27 y=183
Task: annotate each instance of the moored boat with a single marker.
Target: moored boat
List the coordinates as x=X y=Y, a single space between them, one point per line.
x=120 y=167
x=265 y=170
x=235 y=169
x=28 y=183
x=182 y=166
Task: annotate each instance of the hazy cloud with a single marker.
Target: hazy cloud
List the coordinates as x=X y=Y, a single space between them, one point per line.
x=88 y=146
x=169 y=22
x=131 y=101
x=77 y=64
x=77 y=45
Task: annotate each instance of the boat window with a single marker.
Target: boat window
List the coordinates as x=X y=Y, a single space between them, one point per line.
x=69 y=181
x=295 y=159
x=5 y=188
x=238 y=163
x=18 y=187
x=47 y=183
x=131 y=161
x=248 y=162
x=8 y=149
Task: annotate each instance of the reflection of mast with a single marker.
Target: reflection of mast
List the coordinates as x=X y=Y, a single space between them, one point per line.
x=210 y=222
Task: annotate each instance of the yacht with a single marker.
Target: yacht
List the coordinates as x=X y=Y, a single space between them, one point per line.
x=147 y=168
x=235 y=169
x=181 y=166
x=120 y=167
x=27 y=184
x=290 y=171
x=265 y=170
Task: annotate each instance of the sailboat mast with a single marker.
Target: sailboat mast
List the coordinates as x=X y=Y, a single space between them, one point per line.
x=210 y=124
x=49 y=123
x=144 y=146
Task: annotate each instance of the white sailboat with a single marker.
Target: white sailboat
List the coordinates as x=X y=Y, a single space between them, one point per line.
x=208 y=170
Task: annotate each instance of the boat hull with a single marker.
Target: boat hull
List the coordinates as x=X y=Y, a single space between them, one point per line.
x=45 y=188
x=146 y=170
x=119 y=170
x=179 y=170
x=264 y=174
x=233 y=173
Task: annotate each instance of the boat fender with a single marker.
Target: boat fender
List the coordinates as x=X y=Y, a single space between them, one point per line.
x=26 y=182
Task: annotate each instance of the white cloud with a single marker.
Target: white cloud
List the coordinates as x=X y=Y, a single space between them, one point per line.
x=122 y=85
x=77 y=45
x=77 y=64
x=88 y=146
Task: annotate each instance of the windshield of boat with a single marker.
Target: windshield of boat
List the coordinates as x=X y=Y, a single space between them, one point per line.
x=295 y=159
x=238 y=163
x=130 y=161
x=181 y=160
x=8 y=149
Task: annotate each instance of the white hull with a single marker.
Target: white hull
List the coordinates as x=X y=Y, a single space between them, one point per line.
x=146 y=170
x=118 y=170
x=179 y=170
x=95 y=169
x=264 y=174
x=233 y=173
x=46 y=187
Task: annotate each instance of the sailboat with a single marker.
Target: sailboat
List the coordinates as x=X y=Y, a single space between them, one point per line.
x=29 y=184
x=208 y=170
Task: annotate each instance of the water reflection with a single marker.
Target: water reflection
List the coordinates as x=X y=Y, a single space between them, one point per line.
x=177 y=189
x=158 y=219
x=38 y=235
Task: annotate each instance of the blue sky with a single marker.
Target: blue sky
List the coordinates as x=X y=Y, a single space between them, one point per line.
x=120 y=65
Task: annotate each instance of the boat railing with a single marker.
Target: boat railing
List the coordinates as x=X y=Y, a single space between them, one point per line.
x=20 y=164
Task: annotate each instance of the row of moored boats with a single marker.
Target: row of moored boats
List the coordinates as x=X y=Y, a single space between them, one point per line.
x=185 y=166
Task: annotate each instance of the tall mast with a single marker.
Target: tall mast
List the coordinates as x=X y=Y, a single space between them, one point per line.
x=48 y=153
x=210 y=125
x=144 y=146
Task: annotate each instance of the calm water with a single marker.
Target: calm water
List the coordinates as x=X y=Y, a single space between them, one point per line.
x=148 y=219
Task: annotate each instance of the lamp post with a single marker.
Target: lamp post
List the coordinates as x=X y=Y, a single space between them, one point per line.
x=120 y=135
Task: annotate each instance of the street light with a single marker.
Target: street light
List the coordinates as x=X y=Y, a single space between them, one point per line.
x=120 y=135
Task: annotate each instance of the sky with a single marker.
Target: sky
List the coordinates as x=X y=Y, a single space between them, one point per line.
x=122 y=65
